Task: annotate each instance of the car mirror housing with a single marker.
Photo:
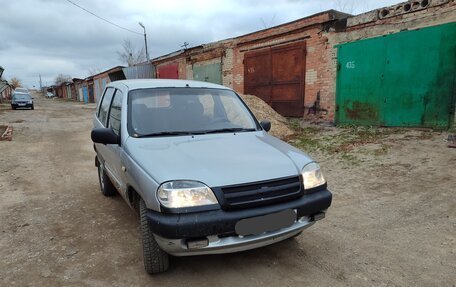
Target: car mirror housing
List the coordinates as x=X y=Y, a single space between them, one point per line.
x=266 y=125
x=104 y=136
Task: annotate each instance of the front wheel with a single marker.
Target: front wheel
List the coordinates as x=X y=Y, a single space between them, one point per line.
x=155 y=259
x=106 y=186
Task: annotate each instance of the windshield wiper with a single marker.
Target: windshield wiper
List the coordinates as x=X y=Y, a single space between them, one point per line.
x=227 y=130
x=176 y=133
x=180 y=133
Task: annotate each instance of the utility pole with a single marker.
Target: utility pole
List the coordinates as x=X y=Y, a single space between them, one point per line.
x=41 y=84
x=145 y=40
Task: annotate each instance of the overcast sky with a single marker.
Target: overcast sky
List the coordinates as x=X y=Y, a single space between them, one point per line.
x=50 y=37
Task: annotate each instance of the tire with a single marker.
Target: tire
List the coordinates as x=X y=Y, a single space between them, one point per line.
x=33 y=107
x=106 y=186
x=155 y=259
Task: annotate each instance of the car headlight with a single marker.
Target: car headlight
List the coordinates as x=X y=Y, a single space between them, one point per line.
x=312 y=176
x=30 y=102
x=184 y=193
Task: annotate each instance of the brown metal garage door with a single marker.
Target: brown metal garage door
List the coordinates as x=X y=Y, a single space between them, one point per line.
x=276 y=75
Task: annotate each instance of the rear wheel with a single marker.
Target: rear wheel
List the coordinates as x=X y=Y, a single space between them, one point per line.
x=106 y=186
x=33 y=107
x=155 y=259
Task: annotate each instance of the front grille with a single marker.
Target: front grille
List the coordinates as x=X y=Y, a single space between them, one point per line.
x=260 y=193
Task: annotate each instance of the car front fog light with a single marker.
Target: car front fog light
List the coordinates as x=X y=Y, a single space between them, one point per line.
x=184 y=193
x=312 y=176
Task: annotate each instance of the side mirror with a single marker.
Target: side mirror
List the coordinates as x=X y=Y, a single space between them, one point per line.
x=104 y=136
x=266 y=125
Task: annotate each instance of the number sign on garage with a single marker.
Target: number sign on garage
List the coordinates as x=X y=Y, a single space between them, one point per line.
x=276 y=75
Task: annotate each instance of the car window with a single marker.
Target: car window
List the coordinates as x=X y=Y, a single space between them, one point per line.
x=106 y=101
x=115 y=112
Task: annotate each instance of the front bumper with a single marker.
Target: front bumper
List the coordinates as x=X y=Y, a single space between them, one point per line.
x=216 y=228
x=236 y=243
x=25 y=106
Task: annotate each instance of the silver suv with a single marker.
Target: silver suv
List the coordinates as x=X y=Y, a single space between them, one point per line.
x=203 y=174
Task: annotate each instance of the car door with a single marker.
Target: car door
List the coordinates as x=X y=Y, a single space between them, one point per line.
x=115 y=152
x=100 y=121
x=105 y=152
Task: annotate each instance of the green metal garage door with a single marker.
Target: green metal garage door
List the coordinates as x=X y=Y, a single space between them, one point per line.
x=208 y=73
x=403 y=79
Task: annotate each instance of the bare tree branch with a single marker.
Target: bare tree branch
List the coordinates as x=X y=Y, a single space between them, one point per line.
x=347 y=6
x=61 y=78
x=93 y=71
x=15 y=82
x=130 y=55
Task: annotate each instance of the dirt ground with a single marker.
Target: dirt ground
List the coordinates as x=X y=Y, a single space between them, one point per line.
x=392 y=222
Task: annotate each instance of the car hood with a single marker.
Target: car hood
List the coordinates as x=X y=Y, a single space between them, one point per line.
x=216 y=159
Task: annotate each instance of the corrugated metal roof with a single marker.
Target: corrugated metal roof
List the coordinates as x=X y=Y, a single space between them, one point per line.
x=111 y=70
x=139 y=72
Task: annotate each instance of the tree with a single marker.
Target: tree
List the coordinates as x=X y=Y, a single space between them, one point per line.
x=130 y=55
x=269 y=24
x=61 y=78
x=347 y=6
x=15 y=82
x=94 y=71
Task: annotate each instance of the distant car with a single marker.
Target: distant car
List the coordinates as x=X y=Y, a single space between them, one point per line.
x=21 y=100
x=21 y=90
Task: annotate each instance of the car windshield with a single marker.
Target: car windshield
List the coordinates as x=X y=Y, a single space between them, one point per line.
x=183 y=111
x=21 y=97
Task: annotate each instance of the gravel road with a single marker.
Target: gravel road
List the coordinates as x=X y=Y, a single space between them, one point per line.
x=392 y=222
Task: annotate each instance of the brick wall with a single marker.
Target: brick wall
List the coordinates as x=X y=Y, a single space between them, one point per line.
x=227 y=67
x=317 y=72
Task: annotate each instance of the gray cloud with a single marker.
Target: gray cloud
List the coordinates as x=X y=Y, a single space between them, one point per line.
x=49 y=37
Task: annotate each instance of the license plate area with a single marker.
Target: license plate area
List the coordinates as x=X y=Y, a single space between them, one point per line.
x=21 y=104
x=265 y=223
